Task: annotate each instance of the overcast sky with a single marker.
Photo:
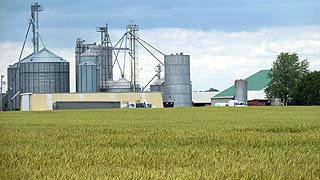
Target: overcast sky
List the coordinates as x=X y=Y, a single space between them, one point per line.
x=226 y=39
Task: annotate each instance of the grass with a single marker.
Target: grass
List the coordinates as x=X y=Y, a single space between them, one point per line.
x=182 y=143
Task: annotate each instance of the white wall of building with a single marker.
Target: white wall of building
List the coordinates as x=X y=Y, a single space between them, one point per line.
x=203 y=97
x=256 y=95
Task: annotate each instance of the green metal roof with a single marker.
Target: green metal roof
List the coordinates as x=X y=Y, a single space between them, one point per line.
x=256 y=82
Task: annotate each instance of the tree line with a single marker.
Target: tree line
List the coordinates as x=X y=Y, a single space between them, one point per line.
x=292 y=82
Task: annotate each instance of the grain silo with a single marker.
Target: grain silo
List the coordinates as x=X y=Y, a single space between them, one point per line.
x=121 y=85
x=88 y=72
x=177 y=80
x=88 y=77
x=104 y=60
x=44 y=72
x=158 y=86
x=241 y=91
x=79 y=49
x=13 y=86
x=100 y=54
x=40 y=72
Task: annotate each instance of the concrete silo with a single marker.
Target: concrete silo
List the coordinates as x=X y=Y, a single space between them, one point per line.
x=241 y=91
x=177 y=80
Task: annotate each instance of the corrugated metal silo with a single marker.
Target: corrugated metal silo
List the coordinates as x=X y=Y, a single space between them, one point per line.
x=44 y=72
x=158 y=86
x=177 y=80
x=88 y=77
x=121 y=85
x=40 y=72
x=13 y=85
x=104 y=60
x=241 y=91
x=102 y=57
x=79 y=49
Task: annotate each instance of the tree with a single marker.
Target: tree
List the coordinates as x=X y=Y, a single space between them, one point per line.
x=307 y=91
x=213 y=90
x=287 y=70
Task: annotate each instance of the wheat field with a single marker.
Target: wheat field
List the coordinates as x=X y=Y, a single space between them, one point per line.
x=181 y=143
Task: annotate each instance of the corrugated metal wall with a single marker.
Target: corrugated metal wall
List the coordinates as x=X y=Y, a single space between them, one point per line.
x=88 y=77
x=15 y=103
x=105 y=62
x=177 y=80
x=157 y=88
x=44 y=77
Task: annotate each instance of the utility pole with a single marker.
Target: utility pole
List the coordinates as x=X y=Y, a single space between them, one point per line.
x=1 y=85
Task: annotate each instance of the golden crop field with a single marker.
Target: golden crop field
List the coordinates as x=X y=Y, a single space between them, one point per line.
x=181 y=143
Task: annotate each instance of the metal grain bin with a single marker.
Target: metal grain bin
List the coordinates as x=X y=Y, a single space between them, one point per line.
x=13 y=86
x=241 y=91
x=157 y=86
x=44 y=72
x=105 y=62
x=122 y=85
x=40 y=72
x=88 y=77
x=102 y=57
x=177 y=80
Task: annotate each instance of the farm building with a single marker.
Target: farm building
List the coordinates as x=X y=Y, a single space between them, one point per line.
x=256 y=85
x=202 y=98
x=56 y=101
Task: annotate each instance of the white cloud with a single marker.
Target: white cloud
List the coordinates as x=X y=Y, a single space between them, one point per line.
x=217 y=58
